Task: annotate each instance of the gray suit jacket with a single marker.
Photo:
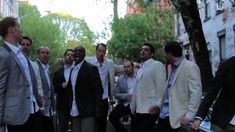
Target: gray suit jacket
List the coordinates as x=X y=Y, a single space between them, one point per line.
x=121 y=90
x=48 y=91
x=14 y=89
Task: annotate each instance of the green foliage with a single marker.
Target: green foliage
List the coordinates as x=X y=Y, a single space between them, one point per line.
x=56 y=30
x=153 y=26
x=74 y=28
x=42 y=31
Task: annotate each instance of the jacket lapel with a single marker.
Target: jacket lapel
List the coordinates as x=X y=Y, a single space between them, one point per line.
x=16 y=59
x=178 y=71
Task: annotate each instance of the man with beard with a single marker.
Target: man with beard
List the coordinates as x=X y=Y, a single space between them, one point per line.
x=60 y=81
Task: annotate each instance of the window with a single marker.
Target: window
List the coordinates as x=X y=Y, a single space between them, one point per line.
x=178 y=24
x=222 y=44
x=209 y=51
x=222 y=48
x=207 y=10
x=232 y=2
x=219 y=6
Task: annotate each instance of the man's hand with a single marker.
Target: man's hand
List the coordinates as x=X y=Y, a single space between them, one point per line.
x=154 y=110
x=196 y=124
x=64 y=84
x=184 y=120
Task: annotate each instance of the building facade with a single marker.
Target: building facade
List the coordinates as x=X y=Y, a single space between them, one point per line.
x=9 y=8
x=218 y=21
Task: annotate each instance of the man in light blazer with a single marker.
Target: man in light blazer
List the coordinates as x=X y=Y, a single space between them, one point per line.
x=19 y=98
x=182 y=92
x=147 y=93
x=106 y=69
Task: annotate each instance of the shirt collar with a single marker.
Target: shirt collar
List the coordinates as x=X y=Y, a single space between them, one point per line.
x=14 y=48
x=177 y=63
x=45 y=66
x=78 y=65
x=70 y=67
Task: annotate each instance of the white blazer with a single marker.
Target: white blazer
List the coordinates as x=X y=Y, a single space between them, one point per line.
x=185 y=93
x=148 y=89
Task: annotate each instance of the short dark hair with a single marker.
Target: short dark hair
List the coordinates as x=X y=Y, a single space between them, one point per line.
x=68 y=51
x=27 y=38
x=5 y=24
x=151 y=47
x=174 y=48
x=102 y=44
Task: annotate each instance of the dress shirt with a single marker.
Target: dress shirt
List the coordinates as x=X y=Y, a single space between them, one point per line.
x=67 y=71
x=74 y=110
x=130 y=85
x=233 y=120
x=25 y=63
x=104 y=76
x=141 y=70
x=165 y=110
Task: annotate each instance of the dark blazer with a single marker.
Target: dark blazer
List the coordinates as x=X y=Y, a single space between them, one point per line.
x=224 y=107
x=88 y=90
x=61 y=98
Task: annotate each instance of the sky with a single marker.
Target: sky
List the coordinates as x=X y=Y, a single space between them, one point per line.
x=96 y=13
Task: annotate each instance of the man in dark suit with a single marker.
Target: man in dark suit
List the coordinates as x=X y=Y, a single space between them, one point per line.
x=19 y=98
x=85 y=93
x=222 y=92
x=60 y=81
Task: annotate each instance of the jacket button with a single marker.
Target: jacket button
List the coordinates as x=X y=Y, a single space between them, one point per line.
x=28 y=97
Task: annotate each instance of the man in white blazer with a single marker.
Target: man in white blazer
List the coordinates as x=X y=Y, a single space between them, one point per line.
x=182 y=92
x=19 y=98
x=106 y=69
x=147 y=94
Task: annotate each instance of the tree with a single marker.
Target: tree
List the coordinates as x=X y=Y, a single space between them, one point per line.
x=42 y=31
x=192 y=21
x=74 y=28
x=129 y=33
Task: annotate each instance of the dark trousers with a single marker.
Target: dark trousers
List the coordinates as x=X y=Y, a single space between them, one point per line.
x=33 y=124
x=164 y=126
x=114 y=117
x=143 y=122
x=63 y=118
x=47 y=124
x=101 y=121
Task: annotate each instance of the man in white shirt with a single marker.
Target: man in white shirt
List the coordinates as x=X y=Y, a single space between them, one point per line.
x=106 y=70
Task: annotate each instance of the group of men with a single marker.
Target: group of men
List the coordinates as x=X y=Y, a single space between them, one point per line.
x=84 y=86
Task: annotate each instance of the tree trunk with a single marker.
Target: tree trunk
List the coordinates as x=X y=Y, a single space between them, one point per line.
x=191 y=18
